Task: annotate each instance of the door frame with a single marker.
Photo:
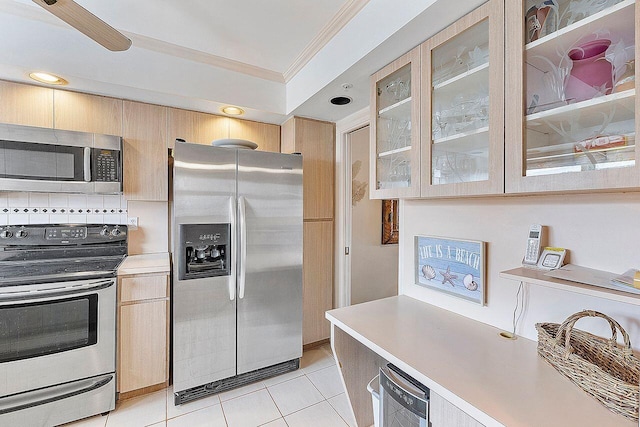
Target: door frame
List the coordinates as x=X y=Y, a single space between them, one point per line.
x=342 y=278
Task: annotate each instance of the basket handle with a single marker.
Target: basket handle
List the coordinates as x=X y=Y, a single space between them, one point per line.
x=567 y=326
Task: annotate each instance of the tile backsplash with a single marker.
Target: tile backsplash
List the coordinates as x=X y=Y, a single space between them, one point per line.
x=59 y=208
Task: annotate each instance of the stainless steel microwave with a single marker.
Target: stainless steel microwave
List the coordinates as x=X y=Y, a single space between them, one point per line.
x=52 y=160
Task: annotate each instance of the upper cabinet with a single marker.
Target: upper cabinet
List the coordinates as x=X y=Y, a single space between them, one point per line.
x=145 y=152
x=203 y=128
x=571 y=100
x=395 y=129
x=192 y=126
x=267 y=136
x=87 y=113
x=462 y=105
x=315 y=140
x=26 y=105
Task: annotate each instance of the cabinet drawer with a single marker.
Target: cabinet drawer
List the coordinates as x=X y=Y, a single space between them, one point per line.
x=143 y=287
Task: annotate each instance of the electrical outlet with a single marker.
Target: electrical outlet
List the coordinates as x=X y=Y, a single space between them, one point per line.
x=132 y=222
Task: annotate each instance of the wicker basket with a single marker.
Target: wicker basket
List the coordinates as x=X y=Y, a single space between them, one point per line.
x=601 y=367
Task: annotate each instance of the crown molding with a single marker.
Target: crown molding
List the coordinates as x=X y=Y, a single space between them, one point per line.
x=337 y=23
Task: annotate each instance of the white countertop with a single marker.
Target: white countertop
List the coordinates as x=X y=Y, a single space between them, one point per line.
x=497 y=381
x=147 y=263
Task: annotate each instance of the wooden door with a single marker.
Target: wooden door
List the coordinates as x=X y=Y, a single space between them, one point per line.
x=26 y=105
x=87 y=113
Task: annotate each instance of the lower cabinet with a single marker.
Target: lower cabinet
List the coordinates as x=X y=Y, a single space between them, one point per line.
x=143 y=333
x=317 y=282
x=443 y=413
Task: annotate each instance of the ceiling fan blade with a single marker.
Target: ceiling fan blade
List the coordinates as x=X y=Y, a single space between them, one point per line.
x=87 y=23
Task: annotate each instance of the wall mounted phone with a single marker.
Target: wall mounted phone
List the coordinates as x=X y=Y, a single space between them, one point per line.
x=534 y=245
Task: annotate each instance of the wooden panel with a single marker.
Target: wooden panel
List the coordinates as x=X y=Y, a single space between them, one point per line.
x=135 y=288
x=26 y=105
x=358 y=365
x=443 y=413
x=287 y=136
x=146 y=174
x=316 y=141
x=192 y=126
x=267 y=136
x=87 y=113
x=317 y=283
x=142 y=343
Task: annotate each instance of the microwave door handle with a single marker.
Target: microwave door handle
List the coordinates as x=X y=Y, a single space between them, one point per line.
x=243 y=245
x=87 y=164
x=233 y=263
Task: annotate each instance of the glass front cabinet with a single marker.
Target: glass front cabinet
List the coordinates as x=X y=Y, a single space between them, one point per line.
x=462 y=105
x=570 y=95
x=395 y=129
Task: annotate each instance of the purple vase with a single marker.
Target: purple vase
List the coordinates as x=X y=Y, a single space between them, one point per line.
x=591 y=72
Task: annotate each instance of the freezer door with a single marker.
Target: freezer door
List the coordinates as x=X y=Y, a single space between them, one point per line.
x=270 y=262
x=204 y=313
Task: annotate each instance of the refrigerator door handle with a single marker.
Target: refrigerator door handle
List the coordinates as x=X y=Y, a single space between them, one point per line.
x=232 y=267
x=243 y=245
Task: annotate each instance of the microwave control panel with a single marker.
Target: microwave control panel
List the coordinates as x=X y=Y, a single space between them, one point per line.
x=106 y=165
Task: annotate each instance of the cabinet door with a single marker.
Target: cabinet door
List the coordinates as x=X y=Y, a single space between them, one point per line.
x=571 y=105
x=143 y=345
x=442 y=413
x=192 y=126
x=395 y=129
x=316 y=141
x=317 y=282
x=146 y=173
x=87 y=113
x=26 y=105
x=462 y=113
x=265 y=135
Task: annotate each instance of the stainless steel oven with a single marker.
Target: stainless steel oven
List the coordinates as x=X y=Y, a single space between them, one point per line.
x=58 y=322
x=52 y=160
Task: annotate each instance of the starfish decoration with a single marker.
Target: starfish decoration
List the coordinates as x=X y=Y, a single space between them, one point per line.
x=447 y=276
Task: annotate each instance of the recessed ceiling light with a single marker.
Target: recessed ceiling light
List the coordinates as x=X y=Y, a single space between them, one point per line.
x=47 y=78
x=234 y=111
x=340 y=100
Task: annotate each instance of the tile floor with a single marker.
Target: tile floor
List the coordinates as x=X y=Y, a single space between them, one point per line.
x=309 y=397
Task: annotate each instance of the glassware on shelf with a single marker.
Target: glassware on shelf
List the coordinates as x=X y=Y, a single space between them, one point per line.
x=465 y=112
x=453 y=167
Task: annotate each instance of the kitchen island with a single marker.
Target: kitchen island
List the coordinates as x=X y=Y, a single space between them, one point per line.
x=489 y=379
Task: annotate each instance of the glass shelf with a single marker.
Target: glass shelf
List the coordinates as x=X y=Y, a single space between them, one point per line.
x=468 y=79
x=616 y=16
x=398 y=110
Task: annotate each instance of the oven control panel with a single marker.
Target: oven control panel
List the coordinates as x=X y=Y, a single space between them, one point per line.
x=51 y=235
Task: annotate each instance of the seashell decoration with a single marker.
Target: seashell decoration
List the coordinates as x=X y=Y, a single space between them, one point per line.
x=469 y=283
x=428 y=272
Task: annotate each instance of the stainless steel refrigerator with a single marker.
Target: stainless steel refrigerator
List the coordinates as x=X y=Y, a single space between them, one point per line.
x=237 y=267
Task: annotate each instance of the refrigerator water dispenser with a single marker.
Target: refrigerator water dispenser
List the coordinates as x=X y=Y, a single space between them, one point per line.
x=205 y=250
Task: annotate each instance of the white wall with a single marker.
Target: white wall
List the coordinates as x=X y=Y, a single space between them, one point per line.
x=601 y=231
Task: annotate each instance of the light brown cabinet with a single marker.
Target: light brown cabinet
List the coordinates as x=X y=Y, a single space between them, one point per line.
x=315 y=140
x=394 y=170
x=267 y=136
x=317 y=288
x=87 y=113
x=193 y=126
x=26 y=105
x=443 y=413
x=145 y=152
x=203 y=128
x=462 y=106
x=571 y=110
x=143 y=333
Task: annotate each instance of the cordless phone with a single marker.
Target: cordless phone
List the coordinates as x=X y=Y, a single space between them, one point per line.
x=534 y=244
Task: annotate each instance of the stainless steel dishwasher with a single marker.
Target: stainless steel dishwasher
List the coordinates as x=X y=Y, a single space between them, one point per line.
x=404 y=402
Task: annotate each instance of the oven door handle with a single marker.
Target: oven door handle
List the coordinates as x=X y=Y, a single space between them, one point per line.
x=62 y=290
x=18 y=402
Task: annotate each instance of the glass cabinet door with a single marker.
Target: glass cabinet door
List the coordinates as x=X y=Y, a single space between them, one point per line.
x=395 y=160
x=462 y=131
x=571 y=70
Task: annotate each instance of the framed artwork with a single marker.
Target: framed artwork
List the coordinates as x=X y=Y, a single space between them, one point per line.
x=390 y=226
x=452 y=266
